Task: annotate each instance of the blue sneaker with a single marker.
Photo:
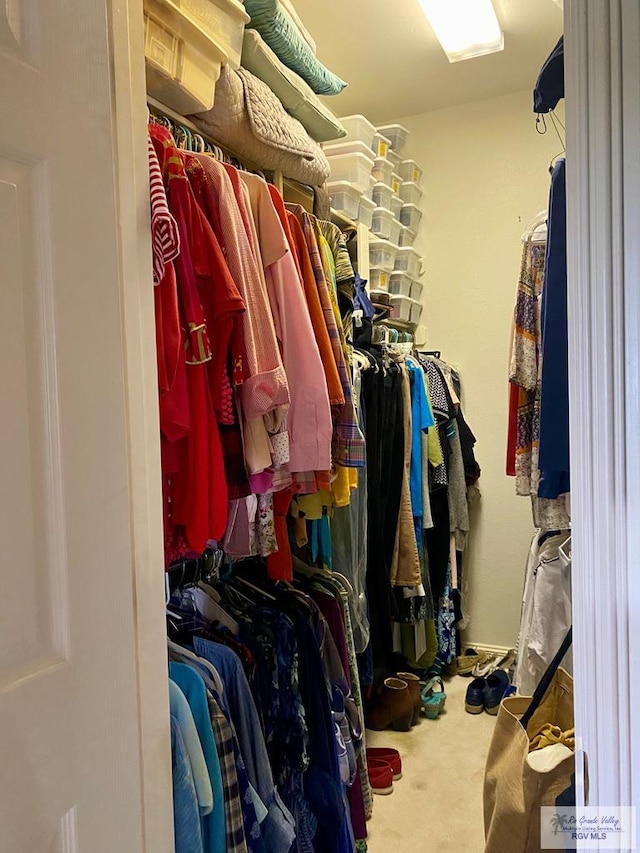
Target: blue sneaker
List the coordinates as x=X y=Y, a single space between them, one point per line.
x=474 y=700
x=497 y=685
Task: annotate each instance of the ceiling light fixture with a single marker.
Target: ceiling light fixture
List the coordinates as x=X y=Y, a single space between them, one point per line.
x=465 y=28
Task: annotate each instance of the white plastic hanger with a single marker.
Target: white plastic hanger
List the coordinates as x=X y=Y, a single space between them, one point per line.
x=536 y=230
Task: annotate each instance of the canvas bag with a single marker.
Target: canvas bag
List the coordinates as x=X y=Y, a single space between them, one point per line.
x=513 y=791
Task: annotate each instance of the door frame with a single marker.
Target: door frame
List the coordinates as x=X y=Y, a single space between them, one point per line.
x=602 y=72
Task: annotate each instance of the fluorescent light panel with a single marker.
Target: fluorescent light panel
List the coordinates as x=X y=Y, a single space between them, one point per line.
x=464 y=28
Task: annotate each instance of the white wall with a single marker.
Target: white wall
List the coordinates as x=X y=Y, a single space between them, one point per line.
x=486 y=176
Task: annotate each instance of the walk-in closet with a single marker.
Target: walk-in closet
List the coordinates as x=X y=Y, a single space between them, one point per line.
x=320 y=394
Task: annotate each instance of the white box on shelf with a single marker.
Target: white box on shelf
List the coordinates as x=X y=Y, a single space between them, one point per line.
x=410 y=171
x=416 y=290
x=382 y=253
x=353 y=146
x=401 y=308
x=382 y=170
x=396 y=183
x=353 y=168
x=358 y=128
x=396 y=134
x=396 y=228
x=345 y=198
x=400 y=284
x=416 y=312
x=380 y=145
x=365 y=212
x=411 y=215
x=410 y=192
x=408 y=260
x=407 y=236
x=378 y=279
x=381 y=224
x=382 y=195
x=396 y=206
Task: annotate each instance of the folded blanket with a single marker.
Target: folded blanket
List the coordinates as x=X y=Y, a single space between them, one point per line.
x=279 y=31
x=249 y=119
x=294 y=94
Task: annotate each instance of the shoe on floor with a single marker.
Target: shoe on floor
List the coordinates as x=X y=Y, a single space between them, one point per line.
x=391 y=756
x=474 y=700
x=413 y=683
x=393 y=707
x=496 y=686
x=466 y=662
x=380 y=776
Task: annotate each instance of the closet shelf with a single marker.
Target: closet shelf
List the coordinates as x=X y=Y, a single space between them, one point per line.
x=341 y=220
x=402 y=325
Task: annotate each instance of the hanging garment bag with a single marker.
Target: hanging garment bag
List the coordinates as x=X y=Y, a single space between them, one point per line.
x=514 y=791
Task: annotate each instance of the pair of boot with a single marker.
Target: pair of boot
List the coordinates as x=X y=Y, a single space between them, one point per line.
x=398 y=705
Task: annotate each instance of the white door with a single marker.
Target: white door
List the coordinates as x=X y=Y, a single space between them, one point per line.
x=73 y=776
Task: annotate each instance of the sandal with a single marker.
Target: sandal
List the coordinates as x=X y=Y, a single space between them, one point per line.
x=465 y=663
x=433 y=702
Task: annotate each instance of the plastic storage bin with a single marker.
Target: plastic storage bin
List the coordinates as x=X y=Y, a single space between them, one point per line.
x=353 y=168
x=410 y=171
x=369 y=193
x=400 y=284
x=416 y=290
x=407 y=236
x=416 y=312
x=396 y=159
x=380 y=145
x=345 y=198
x=396 y=183
x=396 y=206
x=382 y=195
x=365 y=211
x=411 y=215
x=410 y=192
x=397 y=136
x=353 y=146
x=381 y=224
x=408 y=260
x=382 y=170
x=401 y=308
x=378 y=279
x=183 y=61
x=396 y=228
x=359 y=129
x=382 y=254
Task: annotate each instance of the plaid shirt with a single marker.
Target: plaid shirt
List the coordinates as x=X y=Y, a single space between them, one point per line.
x=348 y=441
x=234 y=819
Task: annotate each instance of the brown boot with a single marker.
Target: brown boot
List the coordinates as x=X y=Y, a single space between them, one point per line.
x=413 y=683
x=394 y=707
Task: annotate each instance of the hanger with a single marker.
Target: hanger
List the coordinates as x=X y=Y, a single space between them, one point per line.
x=536 y=230
x=254 y=587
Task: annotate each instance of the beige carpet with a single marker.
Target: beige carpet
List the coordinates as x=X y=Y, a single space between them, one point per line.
x=437 y=805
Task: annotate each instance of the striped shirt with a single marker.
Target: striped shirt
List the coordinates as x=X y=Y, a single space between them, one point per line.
x=165 y=238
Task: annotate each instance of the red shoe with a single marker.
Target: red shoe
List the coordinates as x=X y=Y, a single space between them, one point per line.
x=380 y=776
x=391 y=756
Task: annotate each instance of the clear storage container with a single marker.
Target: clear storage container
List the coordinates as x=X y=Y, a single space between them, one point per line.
x=396 y=134
x=410 y=171
x=382 y=170
x=353 y=146
x=382 y=254
x=400 y=284
x=407 y=236
x=380 y=145
x=345 y=198
x=401 y=308
x=416 y=290
x=359 y=129
x=353 y=168
x=382 y=195
x=378 y=279
x=365 y=212
x=395 y=158
x=369 y=193
x=381 y=224
x=411 y=215
x=396 y=205
x=416 y=312
x=396 y=228
x=410 y=192
x=408 y=260
x=396 y=183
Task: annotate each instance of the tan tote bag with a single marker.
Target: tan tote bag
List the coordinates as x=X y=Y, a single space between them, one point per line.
x=513 y=791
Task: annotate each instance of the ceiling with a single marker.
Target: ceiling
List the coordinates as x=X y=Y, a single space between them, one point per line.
x=395 y=67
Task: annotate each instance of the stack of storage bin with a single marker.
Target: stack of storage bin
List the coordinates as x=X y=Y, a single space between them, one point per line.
x=352 y=162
